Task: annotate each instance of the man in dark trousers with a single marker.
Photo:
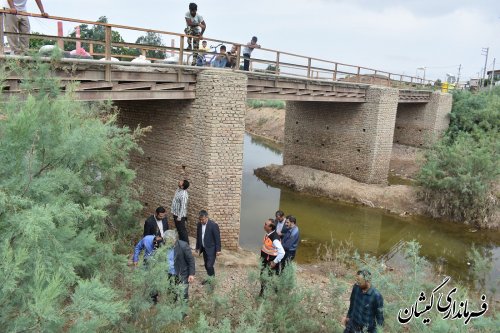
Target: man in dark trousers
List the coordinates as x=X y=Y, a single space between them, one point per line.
x=208 y=242
x=156 y=224
x=271 y=253
x=179 y=209
x=180 y=261
x=366 y=308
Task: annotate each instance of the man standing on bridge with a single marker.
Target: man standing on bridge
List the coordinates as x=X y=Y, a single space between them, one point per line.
x=20 y=25
x=195 y=27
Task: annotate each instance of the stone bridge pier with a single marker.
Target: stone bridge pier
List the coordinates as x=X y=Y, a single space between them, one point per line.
x=200 y=140
x=420 y=124
x=353 y=139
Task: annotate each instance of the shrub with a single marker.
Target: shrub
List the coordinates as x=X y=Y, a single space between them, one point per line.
x=461 y=170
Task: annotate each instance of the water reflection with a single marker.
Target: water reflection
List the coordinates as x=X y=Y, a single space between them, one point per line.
x=372 y=231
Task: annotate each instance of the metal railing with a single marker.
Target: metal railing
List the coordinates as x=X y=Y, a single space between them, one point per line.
x=269 y=61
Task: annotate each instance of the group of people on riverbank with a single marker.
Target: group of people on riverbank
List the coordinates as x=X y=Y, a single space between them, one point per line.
x=279 y=248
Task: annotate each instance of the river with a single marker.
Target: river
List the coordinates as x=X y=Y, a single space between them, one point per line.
x=370 y=230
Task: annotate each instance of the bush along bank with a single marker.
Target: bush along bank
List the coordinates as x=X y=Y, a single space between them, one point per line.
x=462 y=170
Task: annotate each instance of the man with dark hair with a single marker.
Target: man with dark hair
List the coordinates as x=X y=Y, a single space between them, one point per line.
x=279 y=222
x=149 y=244
x=181 y=267
x=156 y=224
x=208 y=242
x=247 y=52
x=19 y=24
x=195 y=27
x=290 y=240
x=271 y=253
x=221 y=59
x=179 y=209
x=366 y=308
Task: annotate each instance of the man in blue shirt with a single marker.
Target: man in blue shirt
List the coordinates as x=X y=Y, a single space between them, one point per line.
x=221 y=59
x=149 y=244
x=290 y=240
x=366 y=309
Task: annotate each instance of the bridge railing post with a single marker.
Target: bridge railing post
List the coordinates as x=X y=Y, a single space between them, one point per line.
x=181 y=50
x=308 y=67
x=107 y=52
x=358 y=77
x=277 y=65
x=2 y=51
x=335 y=72
x=238 y=57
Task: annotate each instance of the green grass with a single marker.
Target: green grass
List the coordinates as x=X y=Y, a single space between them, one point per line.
x=263 y=103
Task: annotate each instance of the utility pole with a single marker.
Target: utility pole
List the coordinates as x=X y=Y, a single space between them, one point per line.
x=485 y=51
x=492 y=74
x=458 y=76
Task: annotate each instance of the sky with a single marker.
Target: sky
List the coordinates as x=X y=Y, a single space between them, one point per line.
x=395 y=36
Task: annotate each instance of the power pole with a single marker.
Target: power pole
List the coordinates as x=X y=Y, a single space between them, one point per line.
x=458 y=76
x=492 y=74
x=485 y=51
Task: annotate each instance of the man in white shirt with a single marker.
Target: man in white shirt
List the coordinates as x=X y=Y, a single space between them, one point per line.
x=20 y=25
x=208 y=242
x=271 y=253
x=195 y=27
x=247 y=52
x=179 y=209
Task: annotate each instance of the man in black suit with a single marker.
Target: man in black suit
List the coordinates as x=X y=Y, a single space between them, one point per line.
x=208 y=241
x=156 y=224
x=180 y=261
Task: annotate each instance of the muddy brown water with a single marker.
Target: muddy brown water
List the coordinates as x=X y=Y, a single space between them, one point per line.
x=372 y=231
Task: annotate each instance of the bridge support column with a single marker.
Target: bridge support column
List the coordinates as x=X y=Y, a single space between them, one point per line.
x=353 y=139
x=201 y=140
x=421 y=124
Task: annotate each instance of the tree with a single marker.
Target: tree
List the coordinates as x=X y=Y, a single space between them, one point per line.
x=65 y=195
x=152 y=39
x=98 y=32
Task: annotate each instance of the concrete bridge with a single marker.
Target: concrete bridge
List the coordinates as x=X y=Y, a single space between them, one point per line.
x=197 y=117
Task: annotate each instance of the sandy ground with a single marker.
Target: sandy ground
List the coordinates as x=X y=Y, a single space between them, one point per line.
x=232 y=269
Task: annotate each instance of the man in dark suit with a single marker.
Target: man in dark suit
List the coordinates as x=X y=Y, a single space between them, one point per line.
x=180 y=261
x=208 y=241
x=156 y=224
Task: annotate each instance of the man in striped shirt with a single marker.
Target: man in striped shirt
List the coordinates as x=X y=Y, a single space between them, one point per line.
x=179 y=209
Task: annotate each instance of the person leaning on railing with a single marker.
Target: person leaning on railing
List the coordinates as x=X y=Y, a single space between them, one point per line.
x=247 y=52
x=20 y=25
x=195 y=27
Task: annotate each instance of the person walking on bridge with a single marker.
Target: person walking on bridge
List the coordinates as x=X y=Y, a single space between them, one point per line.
x=195 y=27
x=20 y=25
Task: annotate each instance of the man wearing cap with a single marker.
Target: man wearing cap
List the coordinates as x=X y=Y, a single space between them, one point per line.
x=366 y=309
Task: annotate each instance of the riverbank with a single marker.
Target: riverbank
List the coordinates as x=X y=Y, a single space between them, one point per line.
x=325 y=287
x=398 y=199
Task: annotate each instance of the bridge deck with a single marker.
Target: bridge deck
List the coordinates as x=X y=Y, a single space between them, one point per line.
x=131 y=81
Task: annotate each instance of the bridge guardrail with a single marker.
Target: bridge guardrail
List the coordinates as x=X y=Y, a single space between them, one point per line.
x=270 y=61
